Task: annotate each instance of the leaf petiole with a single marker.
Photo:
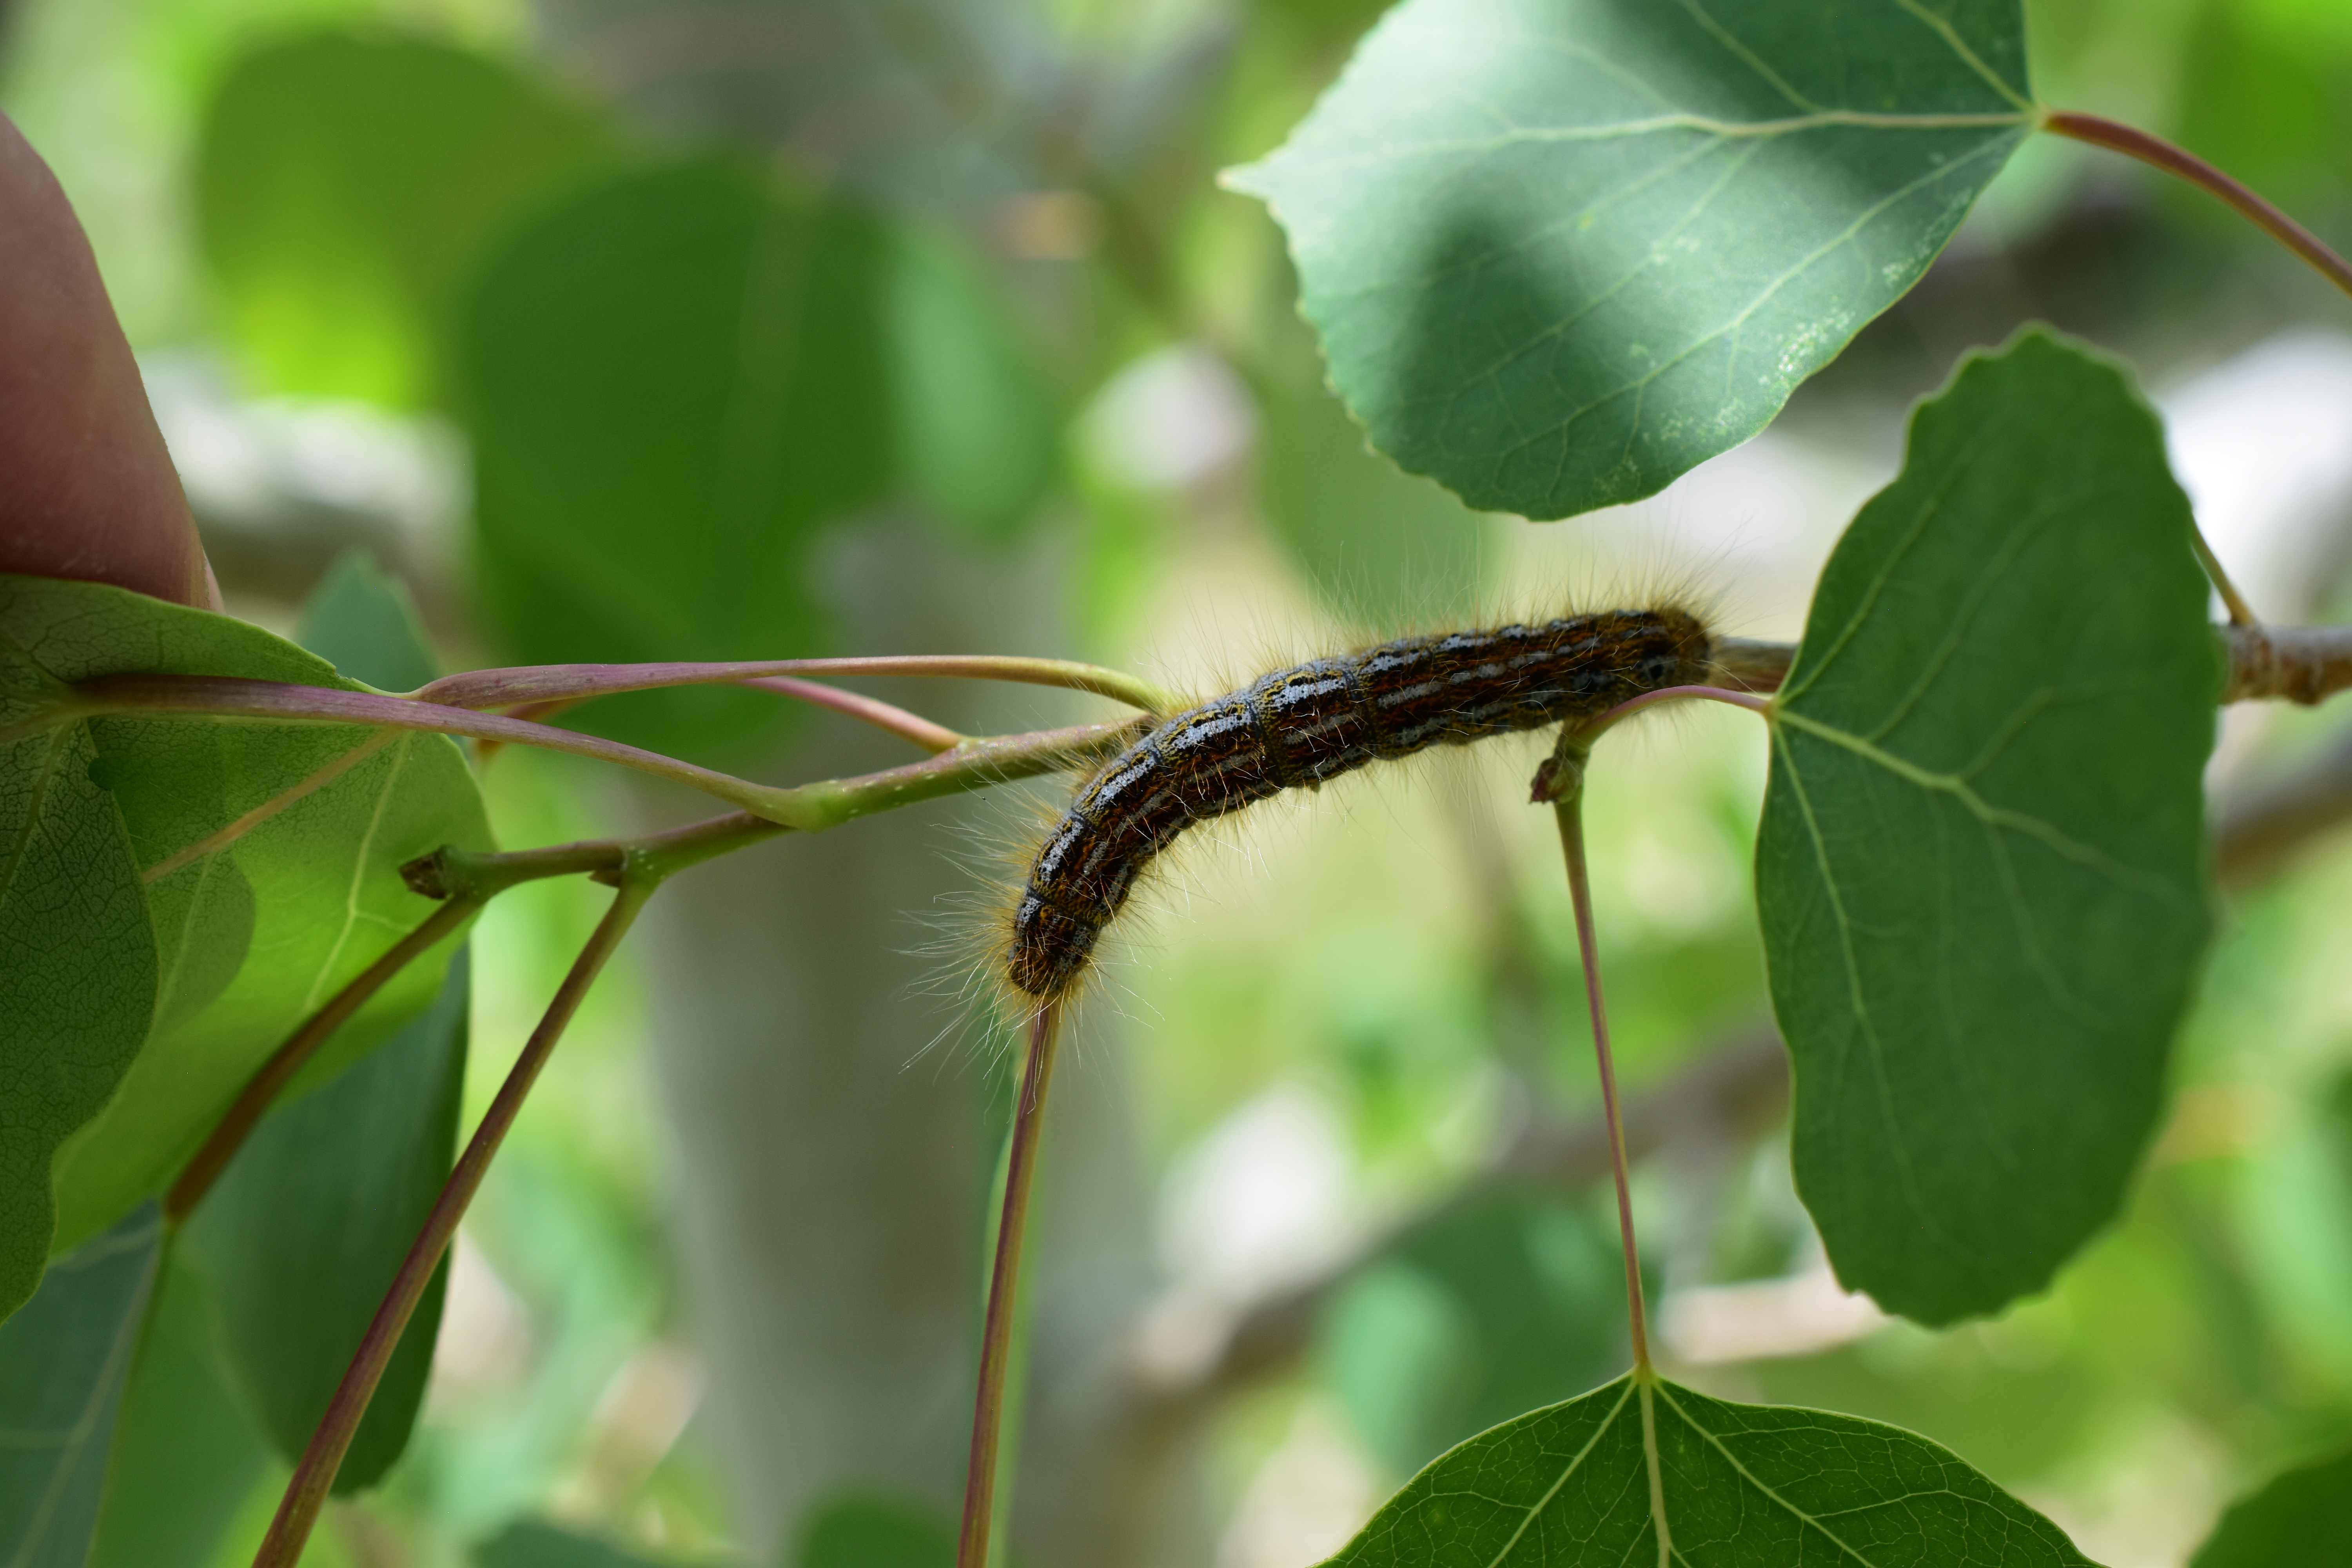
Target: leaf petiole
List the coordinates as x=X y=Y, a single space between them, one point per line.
x=1003 y=1285
x=1561 y=782
x=2183 y=164
x=307 y=1490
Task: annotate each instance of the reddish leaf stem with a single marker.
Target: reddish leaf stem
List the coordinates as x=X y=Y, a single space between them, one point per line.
x=546 y=682
x=2183 y=164
x=230 y=696
x=298 y=1511
x=196 y=1178
x=1568 y=809
x=996 y=1336
x=1631 y=705
x=883 y=715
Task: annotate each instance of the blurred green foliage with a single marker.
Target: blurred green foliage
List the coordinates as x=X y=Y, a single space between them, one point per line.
x=687 y=369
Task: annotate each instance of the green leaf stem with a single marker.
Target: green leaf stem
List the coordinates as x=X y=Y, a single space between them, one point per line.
x=1981 y=868
x=271 y=855
x=1561 y=251
x=1642 y=1471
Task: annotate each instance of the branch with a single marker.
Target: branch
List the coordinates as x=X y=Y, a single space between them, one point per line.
x=2302 y=664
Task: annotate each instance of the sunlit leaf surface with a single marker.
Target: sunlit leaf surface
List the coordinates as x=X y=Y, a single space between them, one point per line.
x=1982 y=865
x=1561 y=251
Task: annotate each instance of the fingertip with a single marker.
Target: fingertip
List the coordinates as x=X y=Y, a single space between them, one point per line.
x=87 y=486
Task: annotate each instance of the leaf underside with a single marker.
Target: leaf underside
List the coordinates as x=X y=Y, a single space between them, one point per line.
x=253 y=927
x=1981 y=867
x=1573 y=1487
x=77 y=980
x=64 y=1361
x=1561 y=251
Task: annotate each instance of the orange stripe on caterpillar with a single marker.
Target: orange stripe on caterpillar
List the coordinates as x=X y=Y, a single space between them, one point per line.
x=1315 y=721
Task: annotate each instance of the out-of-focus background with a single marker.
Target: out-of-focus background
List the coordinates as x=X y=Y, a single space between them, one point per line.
x=634 y=329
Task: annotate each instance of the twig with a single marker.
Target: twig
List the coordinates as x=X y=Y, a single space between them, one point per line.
x=1751 y=664
x=2302 y=664
x=196 y=1178
x=575 y=682
x=2180 y=163
x=1004 y=1283
x=298 y=1511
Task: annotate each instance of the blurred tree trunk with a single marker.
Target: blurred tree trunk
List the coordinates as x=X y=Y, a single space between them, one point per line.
x=833 y=1169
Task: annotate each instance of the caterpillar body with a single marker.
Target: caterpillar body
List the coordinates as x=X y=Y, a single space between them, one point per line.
x=1299 y=726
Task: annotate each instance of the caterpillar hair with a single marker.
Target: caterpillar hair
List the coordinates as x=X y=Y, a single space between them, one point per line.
x=1298 y=727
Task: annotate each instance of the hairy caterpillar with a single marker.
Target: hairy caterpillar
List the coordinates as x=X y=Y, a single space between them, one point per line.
x=1299 y=726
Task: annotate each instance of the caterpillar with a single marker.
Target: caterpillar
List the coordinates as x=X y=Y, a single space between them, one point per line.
x=1296 y=727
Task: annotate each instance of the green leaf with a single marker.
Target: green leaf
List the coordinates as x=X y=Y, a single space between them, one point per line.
x=185 y=1452
x=1507 y=1302
x=63 y=1363
x=1733 y=1485
x=2301 y=1519
x=258 y=928
x=869 y=1529
x=976 y=424
x=528 y=1544
x=307 y=1229
x=79 y=987
x=672 y=382
x=364 y=623
x=1981 y=868
x=1561 y=251
x=347 y=184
